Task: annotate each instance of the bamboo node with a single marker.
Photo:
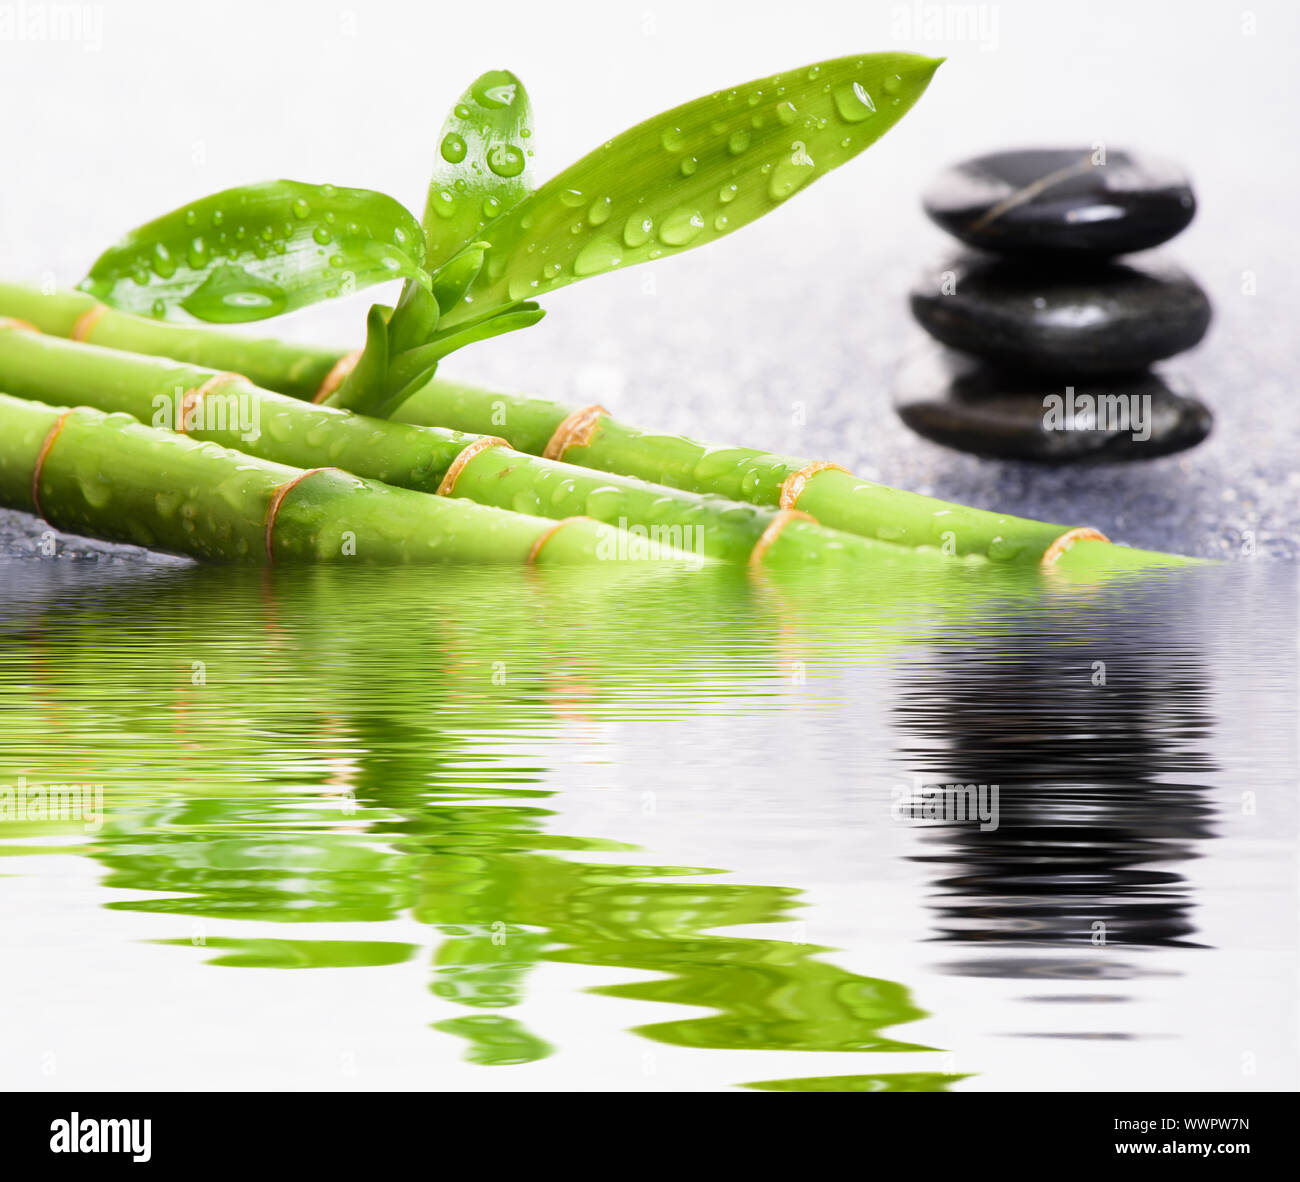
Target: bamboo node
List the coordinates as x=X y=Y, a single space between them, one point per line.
x=1066 y=542
x=793 y=486
x=18 y=325
x=775 y=526
x=338 y=372
x=575 y=430
x=463 y=457
x=41 y=457
x=546 y=536
x=192 y=398
x=86 y=322
x=277 y=499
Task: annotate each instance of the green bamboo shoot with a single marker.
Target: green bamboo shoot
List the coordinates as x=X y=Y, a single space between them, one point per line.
x=832 y=496
x=228 y=410
x=107 y=476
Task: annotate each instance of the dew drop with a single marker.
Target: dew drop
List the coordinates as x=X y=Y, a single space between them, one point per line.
x=191 y=217
x=728 y=193
x=598 y=214
x=673 y=139
x=595 y=257
x=453 y=148
x=786 y=113
x=551 y=270
x=738 y=142
x=721 y=222
x=790 y=172
x=637 y=230
x=163 y=264
x=853 y=103
x=301 y=209
x=197 y=254
x=689 y=165
x=491 y=207
x=495 y=90
x=444 y=203
x=893 y=84
x=681 y=226
x=505 y=160
x=813 y=72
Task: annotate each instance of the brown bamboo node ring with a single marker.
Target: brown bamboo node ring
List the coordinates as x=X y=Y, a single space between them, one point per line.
x=50 y=436
x=463 y=457
x=86 y=322
x=546 y=536
x=1066 y=542
x=338 y=372
x=192 y=398
x=277 y=499
x=18 y=325
x=775 y=526
x=575 y=430
x=792 y=487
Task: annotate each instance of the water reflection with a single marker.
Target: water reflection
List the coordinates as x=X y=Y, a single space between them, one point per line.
x=1093 y=723
x=319 y=746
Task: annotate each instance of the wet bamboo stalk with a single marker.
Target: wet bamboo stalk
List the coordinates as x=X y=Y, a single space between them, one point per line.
x=590 y=437
x=229 y=410
x=107 y=476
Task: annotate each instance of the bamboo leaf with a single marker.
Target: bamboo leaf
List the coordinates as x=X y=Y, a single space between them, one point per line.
x=257 y=251
x=694 y=174
x=483 y=164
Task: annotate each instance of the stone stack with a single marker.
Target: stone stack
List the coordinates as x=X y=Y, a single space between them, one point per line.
x=1045 y=334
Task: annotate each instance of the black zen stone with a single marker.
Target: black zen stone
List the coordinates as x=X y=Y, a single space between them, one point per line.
x=1058 y=200
x=962 y=403
x=1105 y=318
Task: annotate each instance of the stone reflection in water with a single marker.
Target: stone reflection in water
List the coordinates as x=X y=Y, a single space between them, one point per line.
x=1090 y=726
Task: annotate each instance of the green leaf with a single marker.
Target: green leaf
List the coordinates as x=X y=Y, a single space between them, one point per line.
x=451 y=281
x=694 y=173
x=416 y=365
x=383 y=379
x=483 y=164
x=259 y=250
x=414 y=320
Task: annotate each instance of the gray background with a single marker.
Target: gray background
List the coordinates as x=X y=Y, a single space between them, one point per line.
x=803 y=312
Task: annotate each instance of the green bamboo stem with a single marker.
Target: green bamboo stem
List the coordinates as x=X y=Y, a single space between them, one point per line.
x=647 y=520
x=107 y=476
x=836 y=499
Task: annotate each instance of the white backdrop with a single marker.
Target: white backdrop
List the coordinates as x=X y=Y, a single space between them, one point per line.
x=161 y=102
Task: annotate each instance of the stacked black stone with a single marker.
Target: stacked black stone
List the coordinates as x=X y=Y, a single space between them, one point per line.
x=1045 y=336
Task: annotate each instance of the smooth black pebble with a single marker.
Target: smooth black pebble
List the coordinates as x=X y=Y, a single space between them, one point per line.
x=1105 y=318
x=955 y=400
x=1057 y=199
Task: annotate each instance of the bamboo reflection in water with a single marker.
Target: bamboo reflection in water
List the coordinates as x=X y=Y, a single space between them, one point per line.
x=339 y=761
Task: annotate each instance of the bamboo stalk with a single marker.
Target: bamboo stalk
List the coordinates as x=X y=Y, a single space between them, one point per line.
x=229 y=410
x=835 y=498
x=107 y=476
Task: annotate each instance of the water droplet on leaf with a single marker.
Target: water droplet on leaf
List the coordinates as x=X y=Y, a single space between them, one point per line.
x=853 y=103
x=637 y=230
x=453 y=148
x=681 y=226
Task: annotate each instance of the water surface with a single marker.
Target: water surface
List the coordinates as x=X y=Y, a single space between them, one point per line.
x=642 y=830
